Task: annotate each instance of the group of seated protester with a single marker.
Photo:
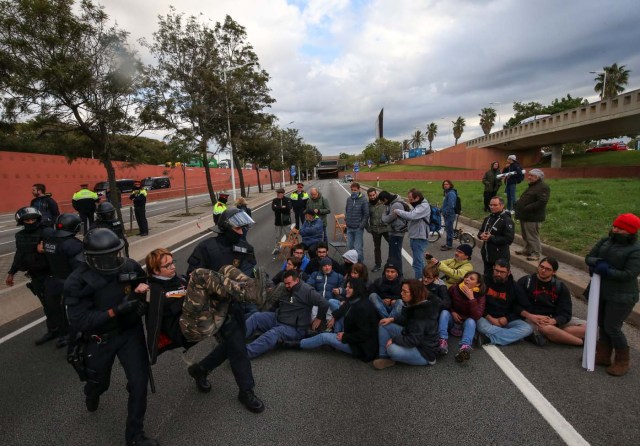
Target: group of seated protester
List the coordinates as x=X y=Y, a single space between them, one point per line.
x=393 y=319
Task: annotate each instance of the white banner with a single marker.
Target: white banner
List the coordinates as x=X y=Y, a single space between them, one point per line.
x=591 y=336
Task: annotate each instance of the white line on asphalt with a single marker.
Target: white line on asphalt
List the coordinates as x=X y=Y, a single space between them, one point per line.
x=12 y=229
x=21 y=330
x=10 y=241
x=537 y=399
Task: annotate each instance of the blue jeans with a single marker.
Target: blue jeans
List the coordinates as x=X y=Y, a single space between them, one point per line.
x=468 y=328
x=449 y=220
x=354 y=241
x=385 y=310
x=272 y=330
x=510 y=189
x=395 y=250
x=338 y=326
x=418 y=248
x=408 y=355
x=510 y=333
x=325 y=339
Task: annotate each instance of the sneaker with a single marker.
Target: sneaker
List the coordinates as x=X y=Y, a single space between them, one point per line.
x=62 y=342
x=537 y=338
x=464 y=354
x=533 y=258
x=199 y=374
x=376 y=268
x=250 y=401
x=522 y=253
x=456 y=330
x=275 y=252
x=383 y=363
x=92 y=402
x=445 y=248
x=482 y=339
x=444 y=346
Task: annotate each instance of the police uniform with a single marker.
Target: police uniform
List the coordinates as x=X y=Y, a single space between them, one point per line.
x=299 y=204
x=84 y=201
x=228 y=248
x=61 y=250
x=106 y=218
x=100 y=306
x=139 y=198
x=219 y=207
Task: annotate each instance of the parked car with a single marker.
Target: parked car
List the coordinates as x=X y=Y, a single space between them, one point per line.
x=347 y=178
x=123 y=185
x=608 y=147
x=156 y=183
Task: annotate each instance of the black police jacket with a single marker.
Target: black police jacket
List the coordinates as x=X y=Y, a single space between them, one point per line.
x=88 y=296
x=216 y=252
x=27 y=258
x=115 y=225
x=62 y=255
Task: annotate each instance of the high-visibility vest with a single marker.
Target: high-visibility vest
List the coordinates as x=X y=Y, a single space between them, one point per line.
x=219 y=208
x=85 y=193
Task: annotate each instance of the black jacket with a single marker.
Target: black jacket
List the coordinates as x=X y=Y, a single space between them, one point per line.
x=502 y=230
x=360 y=327
x=547 y=298
x=504 y=299
x=215 y=252
x=420 y=330
x=47 y=207
x=532 y=204
x=27 y=258
x=386 y=289
x=282 y=215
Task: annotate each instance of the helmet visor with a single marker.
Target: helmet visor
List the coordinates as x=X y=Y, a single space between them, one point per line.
x=105 y=263
x=241 y=220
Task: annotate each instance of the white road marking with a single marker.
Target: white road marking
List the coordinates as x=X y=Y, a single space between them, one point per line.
x=22 y=330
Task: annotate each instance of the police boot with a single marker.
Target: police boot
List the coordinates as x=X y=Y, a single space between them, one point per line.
x=199 y=374
x=620 y=364
x=48 y=336
x=62 y=341
x=250 y=401
x=92 y=402
x=603 y=353
x=143 y=440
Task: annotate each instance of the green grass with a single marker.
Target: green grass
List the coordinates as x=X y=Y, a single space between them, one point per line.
x=598 y=159
x=579 y=212
x=409 y=168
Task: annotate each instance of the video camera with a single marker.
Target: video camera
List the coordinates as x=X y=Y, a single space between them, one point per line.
x=508 y=174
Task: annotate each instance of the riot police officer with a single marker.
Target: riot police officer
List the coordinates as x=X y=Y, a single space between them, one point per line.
x=106 y=218
x=105 y=301
x=30 y=259
x=228 y=248
x=61 y=250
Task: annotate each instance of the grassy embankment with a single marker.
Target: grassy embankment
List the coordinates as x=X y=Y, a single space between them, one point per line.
x=580 y=210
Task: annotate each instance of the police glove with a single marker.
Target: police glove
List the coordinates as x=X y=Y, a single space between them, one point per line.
x=131 y=306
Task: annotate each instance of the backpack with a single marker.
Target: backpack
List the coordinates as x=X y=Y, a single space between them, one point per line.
x=458 y=207
x=435 y=220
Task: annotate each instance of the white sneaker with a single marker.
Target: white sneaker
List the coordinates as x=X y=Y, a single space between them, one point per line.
x=275 y=252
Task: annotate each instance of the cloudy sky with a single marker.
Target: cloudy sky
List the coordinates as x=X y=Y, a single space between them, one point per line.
x=335 y=63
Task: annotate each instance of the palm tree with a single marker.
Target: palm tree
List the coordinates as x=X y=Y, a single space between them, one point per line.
x=617 y=77
x=417 y=139
x=405 y=147
x=458 y=128
x=432 y=132
x=487 y=119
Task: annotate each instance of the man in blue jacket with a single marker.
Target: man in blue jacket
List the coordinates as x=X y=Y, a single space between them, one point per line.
x=356 y=216
x=312 y=231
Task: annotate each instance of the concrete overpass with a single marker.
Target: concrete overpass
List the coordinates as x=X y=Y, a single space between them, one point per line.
x=609 y=118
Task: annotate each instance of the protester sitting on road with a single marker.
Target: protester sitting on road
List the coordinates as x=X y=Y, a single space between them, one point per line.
x=467 y=306
x=501 y=324
x=616 y=259
x=436 y=286
x=322 y=251
x=384 y=292
x=325 y=280
x=349 y=259
x=548 y=307
x=454 y=269
x=311 y=232
x=412 y=336
x=355 y=326
x=298 y=252
x=292 y=263
x=358 y=271
x=291 y=319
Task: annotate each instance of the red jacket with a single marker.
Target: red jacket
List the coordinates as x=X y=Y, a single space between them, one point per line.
x=464 y=307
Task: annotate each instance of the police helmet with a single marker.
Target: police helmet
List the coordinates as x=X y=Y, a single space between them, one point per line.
x=106 y=211
x=68 y=224
x=233 y=218
x=27 y=213
x=103 y=250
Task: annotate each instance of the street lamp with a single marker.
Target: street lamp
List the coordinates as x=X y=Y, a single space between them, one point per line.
x=604 y=82
x=226 y=97
x=282 y=153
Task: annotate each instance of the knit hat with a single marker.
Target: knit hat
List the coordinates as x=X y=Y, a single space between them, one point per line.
x=628 y=222
x=537 y=172
x=511 y=157
x=326 y=261
x=391 y=264
x=310 y=212
x=466 y=249
x=351 y=256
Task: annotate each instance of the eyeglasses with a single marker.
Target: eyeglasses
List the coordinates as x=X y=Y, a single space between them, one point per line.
x=545 y=268
x=169 y=265
x=499 y=271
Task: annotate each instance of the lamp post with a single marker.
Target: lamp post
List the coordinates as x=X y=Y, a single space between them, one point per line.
x=282 y=153
x=604 y=82
x=226 y=97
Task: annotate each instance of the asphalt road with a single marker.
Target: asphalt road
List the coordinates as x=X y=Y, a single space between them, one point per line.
x=320 y=397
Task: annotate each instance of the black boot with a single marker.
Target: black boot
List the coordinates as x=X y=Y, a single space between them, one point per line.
x=251 y=401
x=62 y=341
x=199 y=374
x=292 y=345
x=48 y=336
x=143 y=440
x=92 y=402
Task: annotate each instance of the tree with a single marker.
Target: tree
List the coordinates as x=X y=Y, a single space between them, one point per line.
x=432 y=132
x=617 y=78
x=458 y=128
x=62 y=63
x=417 y=139
x=523 y=111
x=487 y=119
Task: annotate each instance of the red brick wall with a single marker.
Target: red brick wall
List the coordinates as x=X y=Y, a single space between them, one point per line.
x=19 y=171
